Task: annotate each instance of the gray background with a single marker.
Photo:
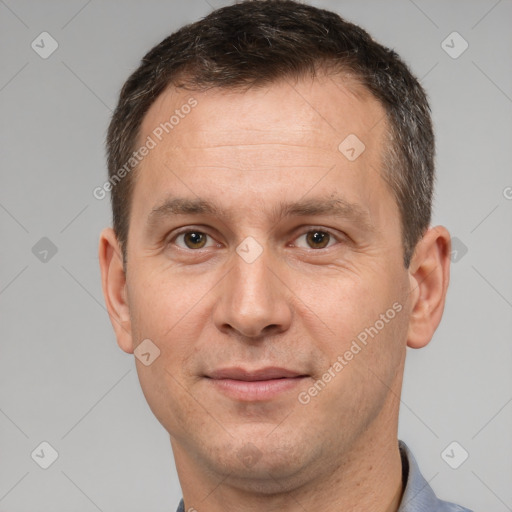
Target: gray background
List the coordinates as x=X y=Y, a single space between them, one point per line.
x=62 y=377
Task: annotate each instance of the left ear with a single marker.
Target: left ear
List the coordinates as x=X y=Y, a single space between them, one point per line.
x=429 y=275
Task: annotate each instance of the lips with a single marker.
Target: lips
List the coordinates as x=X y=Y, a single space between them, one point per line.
x=262 y=384
x=269 y=373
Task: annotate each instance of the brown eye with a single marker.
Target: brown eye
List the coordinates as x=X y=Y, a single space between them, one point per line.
x=193 y=239
x=317 y=239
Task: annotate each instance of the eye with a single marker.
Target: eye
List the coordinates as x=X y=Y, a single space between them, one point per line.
x=192 y=239
x=317 y=239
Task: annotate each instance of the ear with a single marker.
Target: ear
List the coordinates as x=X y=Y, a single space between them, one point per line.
x=429 y=275
x=113 y=280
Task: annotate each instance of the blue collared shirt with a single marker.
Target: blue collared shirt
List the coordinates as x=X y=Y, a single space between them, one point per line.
x=418 y=495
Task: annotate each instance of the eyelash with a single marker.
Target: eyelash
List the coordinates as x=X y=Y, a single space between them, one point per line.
x=310 y=230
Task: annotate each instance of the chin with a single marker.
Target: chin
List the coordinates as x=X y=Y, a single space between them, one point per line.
x=258 y=463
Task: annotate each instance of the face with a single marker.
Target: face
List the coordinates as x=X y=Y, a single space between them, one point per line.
x=265 y=262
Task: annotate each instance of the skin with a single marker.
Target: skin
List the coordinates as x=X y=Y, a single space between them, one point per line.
x=299 y=305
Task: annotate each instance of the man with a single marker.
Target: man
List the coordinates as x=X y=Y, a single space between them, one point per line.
x=271 y=257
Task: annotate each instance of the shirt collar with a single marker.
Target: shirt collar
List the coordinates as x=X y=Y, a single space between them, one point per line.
x=418 y=495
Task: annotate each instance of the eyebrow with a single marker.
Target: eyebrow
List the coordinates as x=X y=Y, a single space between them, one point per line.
x=335 y=207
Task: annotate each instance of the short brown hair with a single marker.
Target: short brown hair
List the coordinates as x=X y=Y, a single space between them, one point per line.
x=257 y=42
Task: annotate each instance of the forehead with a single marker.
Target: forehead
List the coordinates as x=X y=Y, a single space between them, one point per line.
x=318 y=113
x=269 y=142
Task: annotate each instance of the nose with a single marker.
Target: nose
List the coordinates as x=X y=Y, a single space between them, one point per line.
x=254 y=300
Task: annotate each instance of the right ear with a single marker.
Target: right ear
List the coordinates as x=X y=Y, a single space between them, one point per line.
x=113 y=280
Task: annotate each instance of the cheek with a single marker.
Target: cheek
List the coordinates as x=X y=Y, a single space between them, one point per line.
x=360 y=317
x=161 y=310
x=348 y=302
x=161 y=301
x=370 y=324
x=168 y=397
